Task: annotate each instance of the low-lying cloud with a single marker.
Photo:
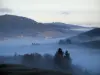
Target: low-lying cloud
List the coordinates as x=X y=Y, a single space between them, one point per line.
x=5 y=10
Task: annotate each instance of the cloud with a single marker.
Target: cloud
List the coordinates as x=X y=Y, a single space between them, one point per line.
x=66 y=13
x=5 y=10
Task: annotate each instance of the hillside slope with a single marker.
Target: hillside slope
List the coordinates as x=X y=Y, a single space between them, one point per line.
x=12 y=26
x=88 y=36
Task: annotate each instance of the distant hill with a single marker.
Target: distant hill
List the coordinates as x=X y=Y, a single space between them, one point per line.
x=11 y=26
x=92 y=44
x=93 y=33
x=89 y=39
x=69 y=26
x=89 y=36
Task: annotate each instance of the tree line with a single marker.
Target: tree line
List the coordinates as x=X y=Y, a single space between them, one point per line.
x=61 y=60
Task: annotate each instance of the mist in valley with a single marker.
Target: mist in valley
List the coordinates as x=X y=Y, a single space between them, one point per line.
x=82 y=57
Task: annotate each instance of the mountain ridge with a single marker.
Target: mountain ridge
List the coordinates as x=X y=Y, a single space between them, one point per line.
x=18 y=25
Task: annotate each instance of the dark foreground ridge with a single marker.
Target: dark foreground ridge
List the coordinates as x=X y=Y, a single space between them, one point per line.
x=15 y=69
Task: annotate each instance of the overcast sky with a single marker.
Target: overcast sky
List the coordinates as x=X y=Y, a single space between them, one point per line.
x=67 y=11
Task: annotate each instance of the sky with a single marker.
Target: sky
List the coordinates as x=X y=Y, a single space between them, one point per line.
x=81 y=12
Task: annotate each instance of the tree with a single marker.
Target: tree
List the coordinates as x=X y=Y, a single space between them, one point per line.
x=28 y=59
x=48 y=57
x=58 y=58
x=15 y=55
x=61 y=42
x=67 y=60
x=67 y=55
x=68 y=41
x=48 y=61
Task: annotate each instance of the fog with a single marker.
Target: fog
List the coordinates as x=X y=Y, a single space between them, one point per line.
x=82 y=56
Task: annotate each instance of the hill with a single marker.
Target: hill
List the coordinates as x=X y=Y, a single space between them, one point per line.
x=12 y=26
x=93 y=33
x=88 y=36
x=64 y=25
x=92 y=44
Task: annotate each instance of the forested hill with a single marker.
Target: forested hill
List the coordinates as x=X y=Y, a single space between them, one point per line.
x=12 y=25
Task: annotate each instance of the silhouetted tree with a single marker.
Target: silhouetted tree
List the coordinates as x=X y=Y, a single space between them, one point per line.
x=48 y=57
x=67 y=55
x=15 y=56
x=48 y=61
x=67 y=60
x=68 y=41
x=28 y=59
x=37 y=56
x=58 y=58
x=61 y=42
